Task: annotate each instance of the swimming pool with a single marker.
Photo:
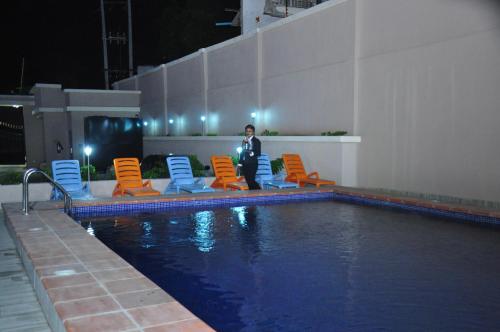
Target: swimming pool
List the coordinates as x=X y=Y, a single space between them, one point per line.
x=315 y=266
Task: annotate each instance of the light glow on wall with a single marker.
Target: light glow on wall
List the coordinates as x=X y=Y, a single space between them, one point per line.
x=87 y=150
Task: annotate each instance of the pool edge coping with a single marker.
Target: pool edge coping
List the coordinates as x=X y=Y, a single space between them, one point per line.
x=59 y=232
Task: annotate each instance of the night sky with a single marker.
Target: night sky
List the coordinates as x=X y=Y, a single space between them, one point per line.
x=61 y=40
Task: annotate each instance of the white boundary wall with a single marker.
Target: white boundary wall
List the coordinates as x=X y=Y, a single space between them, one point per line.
x=334 y=157
x=418 y=80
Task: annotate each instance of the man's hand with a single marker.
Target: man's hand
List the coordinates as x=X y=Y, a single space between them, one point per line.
x=239 y=165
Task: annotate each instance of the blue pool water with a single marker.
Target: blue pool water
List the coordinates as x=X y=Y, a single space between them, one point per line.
x=319 y=266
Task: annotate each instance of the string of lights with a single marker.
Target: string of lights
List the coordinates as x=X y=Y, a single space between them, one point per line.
x=11 y=126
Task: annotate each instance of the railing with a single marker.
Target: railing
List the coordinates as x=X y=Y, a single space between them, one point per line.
x=68 y=203
x=297 y=3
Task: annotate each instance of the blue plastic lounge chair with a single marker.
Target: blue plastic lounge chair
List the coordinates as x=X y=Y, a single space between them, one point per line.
x=265 y=176
x=67 y=174
x=181 y=177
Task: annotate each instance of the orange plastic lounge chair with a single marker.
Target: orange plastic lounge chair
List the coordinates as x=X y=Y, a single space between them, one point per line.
x=129 y=179
x=225 y=174
x=296 y=172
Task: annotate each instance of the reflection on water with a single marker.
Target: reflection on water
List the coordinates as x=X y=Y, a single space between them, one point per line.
x=90 y=229
x=147 y=236
x=318 y=266
x=240 y=212
x=203 y=232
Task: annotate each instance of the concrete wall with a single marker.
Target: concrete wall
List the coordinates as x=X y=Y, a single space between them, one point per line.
x=33 y=137
x=333 y=157
x=232 y=85
x=418 y=80
x=83 y=99
x=186 y=94
x=429 y=96
x=307 y=72
x=300 y=64
x=48 y=97
x=56 y=129
x=154 y=105
x=39 y=192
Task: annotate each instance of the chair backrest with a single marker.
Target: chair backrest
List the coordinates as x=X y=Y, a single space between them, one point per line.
x=180 y=170
x=67 y=174
x=264 y=170
x=223 y=167
x=293 y=165
x=128 y=172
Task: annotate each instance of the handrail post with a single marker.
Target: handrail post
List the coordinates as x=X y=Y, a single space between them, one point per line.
x=26 y=176
x=68 y=202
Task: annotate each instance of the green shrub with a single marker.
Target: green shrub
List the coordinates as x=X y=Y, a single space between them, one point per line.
x=269 y=133
x=235 y=160
x=277 y=165
x=196 y=134
x=11 y=177
x=212 y=134
x=335 y=133
x=241 y=134
x=84 y=173
x=156 y=173
x=16 y=177
x=196 y=166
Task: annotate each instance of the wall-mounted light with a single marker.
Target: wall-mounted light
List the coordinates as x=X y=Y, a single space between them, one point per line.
x=145 y=123
x=253 y=115
x=203 y=119
x=171 y=121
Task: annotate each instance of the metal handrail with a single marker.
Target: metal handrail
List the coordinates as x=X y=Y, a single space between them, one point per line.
x=68 y=202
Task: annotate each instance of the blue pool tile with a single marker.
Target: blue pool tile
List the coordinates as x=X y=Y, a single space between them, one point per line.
x=163 y=206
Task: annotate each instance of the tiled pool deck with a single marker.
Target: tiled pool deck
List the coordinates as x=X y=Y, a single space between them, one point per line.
x=84 y=286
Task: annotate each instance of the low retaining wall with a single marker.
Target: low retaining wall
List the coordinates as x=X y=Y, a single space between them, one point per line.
x=41 y=191
x=334 y=157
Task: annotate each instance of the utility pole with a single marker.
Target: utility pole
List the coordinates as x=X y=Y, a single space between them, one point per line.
x=22 y=76
x=104 y=46
x=114 y=38
x=130 y=48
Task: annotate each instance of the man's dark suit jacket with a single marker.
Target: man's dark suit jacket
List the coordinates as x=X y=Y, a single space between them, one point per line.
x=246 y=155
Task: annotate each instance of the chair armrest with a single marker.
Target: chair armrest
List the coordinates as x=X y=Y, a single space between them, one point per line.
x=241 y=178
x=313 y=174
x=118 y=190
x=147 y=183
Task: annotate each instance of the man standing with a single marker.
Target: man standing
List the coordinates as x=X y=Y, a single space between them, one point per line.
x=248 y=157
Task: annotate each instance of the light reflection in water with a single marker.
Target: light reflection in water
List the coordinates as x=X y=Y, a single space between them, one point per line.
x=204 y=230
x=90 y=230
x=240 y=212
x=147 y=236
